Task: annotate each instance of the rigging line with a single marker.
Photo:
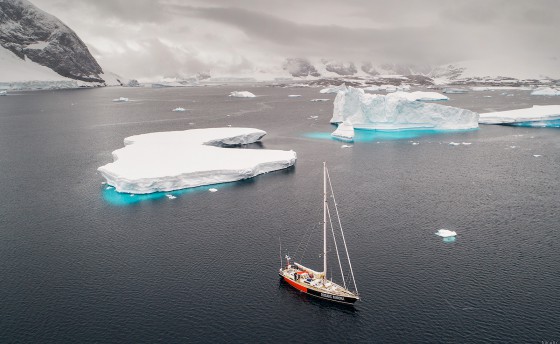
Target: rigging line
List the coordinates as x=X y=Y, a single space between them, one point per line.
x=303 y=238
x=280 y=251
x=336 y=247
x=305 y=248
x=341 y=231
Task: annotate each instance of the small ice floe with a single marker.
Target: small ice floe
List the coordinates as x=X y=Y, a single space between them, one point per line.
x=487 y=96
x=454 y=143
x=294 y=95
x=179 y=109
x=512 y=147
x=132 y=195
x=344 y=132
x=319 y=100
x=509 y=95
x=537 y=155
x=3 y=93
x=450 y=90
x=242 y=94
x=108 y=188
x=546 y=91
x=120 y=100
x=313 y=117
x=466 y=143
x=170 y=196
x=191 y=123
x=415 y=143
x=346 y=146
x=446 y=233
x=212 y=190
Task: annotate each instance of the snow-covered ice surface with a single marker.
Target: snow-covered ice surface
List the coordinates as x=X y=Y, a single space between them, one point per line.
x=396 y=112
x=546 y=91
x=422 y=96
x=333 y=89
x=536 y=116
x=166 y=161
x=179 y=109
x=120 y=100
x=344 y=132
x=450 y=90
x=445 y=233
x=242 y=94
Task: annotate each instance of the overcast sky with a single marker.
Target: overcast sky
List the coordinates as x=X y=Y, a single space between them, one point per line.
x=151 y=38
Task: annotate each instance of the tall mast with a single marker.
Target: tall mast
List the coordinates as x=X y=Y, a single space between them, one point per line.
x=324 y=220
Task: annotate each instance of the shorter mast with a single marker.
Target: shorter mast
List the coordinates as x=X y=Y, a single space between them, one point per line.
x=324 y=220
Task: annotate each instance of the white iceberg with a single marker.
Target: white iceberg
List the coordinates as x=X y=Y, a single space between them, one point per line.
x=333 y=89
x=120 y=100
x=422 y=96
x=179 y=109
x=537 y=116
x=166 y=161
x=294 y=95
x=344 y=132
x=396 y=112
x=212 y=189
x=454 y=90
x=3 y=93
x=242 y=94
x=546 y=91
x=446 y=233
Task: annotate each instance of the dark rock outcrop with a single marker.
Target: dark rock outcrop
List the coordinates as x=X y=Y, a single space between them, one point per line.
x=34 y=34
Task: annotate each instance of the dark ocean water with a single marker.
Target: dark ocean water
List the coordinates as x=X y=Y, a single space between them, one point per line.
x=82 y=264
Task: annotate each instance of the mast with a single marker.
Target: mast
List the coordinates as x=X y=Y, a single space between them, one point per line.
x=324 y=220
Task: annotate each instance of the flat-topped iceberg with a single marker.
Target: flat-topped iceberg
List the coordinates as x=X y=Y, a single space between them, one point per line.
x=120 y=100
x=166 y=161
x=333 y=89
x=422 y=96
x=344 y=132
x=242 y=94
x=536 y=116
x=395 y=111
x=454 y=90
x=546 y=91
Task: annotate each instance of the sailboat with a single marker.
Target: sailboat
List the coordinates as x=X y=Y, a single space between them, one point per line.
x=316 y=283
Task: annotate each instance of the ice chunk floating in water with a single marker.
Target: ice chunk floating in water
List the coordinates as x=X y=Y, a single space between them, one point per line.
x=166 y=161
x=396 y=112
x=446 y=233
x=333 y=89
x=344 y=132
x=537 y=116
x=546 y=91
x=242 y=94
x=120 y=100
x=179 y=109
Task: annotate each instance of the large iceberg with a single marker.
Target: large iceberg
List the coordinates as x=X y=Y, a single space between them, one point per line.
x=242 y=94
x=536 y=116
x=334 y=89
x=344 y=132
x=395 y=111
x=166 y=161
x=546 y=91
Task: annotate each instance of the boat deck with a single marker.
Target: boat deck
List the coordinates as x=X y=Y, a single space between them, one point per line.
x=306 y=280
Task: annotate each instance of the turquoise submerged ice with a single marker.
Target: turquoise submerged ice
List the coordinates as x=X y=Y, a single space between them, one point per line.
x=396 y=111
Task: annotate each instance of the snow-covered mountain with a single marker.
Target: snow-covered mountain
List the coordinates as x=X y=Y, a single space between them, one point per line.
x=495 y=70
x=37 y=47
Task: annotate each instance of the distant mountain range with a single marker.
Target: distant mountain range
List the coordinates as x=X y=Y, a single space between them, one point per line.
x=37 y=50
